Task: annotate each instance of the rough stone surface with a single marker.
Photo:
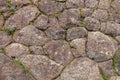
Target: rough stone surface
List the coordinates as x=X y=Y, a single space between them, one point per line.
x=74 y=3
x=115 y=5
x=59 y=51
x=78 y=46
x=69 y=18
x=111 y=28
x=16 y=50
x=104 y=4
x=91 y=3
x=50 y=6
x=81 y=69
x=85 y=12
x=100 y=47
x=3 y=5
x=115 y=78
x=76 y=32
x=41 y=67
x=107 y=68
x=100 y=14
x=5 y=39
x=92 y=24
x=11 y=71
x=22 y=17
x=29 y=35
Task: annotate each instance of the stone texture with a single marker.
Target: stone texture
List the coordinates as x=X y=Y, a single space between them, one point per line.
x=115 y=17
x=3 y=5
x=74 y=3
x=41 y=67
x=104 y=4
x=107 y=68
x=78 y=47
x=55 y=33
x=5 y=39
x=100 y=47
x=1 y=20
x=115 y=5
x=69 y=18
x=37 y=50
x=100 y=14
x=16 y=50
x=29 y=35
x=92 y=24
x=111 y=28
x=81 y=69
x=11 y=71
x=76 y=32
x=117 y=38
x=22 y=17
x=41 y=22
x=115 y=78
x=85 y=12
x=91 y=3
x=50 y=6
x=59 y=51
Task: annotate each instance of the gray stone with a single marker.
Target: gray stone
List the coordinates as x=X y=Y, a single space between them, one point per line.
x=100 y=47
x=16 y=50
x=50 y=6
x=104 y=4
x=107 y=68
x=3 y=5
x=41 y=22
x=69 y=18
x=116 y=5
x=76 y=32
x=37 y=50
x=55 y=33
x=92 y=24
x=59 y=51
x=11 y=71
x=91 y=3
x=85 y=12
x=101 y=15
x=81 y=69
x=117 y=38
x=74 y=3
x=5 y=39
x=115 y=78
x=29 y=35
x=115 y=17
x=22 y=17
x=42 y=67
x=111 y=28
x=78 y=46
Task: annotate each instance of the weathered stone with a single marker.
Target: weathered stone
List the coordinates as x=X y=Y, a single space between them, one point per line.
x=3 y=5
x=41 y=22
x=115 y=17
x=104 y=4
x=92 y=24
x=107 y=68
x=50 y=6
x=76 y=32
x=22 y=17
x=59 y=51
x=29 y=35
x=101 y=15
x=74 y=3
x=55 y=33
x=69 y=18
x=91 y=3
x=85 y=12
x=117 y=38
x=37 y=50
x=16 y=50
x=41 y=67
x=4 y=39
x=81 y=69
x=115 y=78
x=116 y=5
x=11 y=71
x=111 y=28
x=1 y=21
x=100 y=47
x=78 y=47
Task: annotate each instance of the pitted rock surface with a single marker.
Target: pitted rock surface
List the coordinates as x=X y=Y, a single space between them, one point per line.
x=59 y=39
